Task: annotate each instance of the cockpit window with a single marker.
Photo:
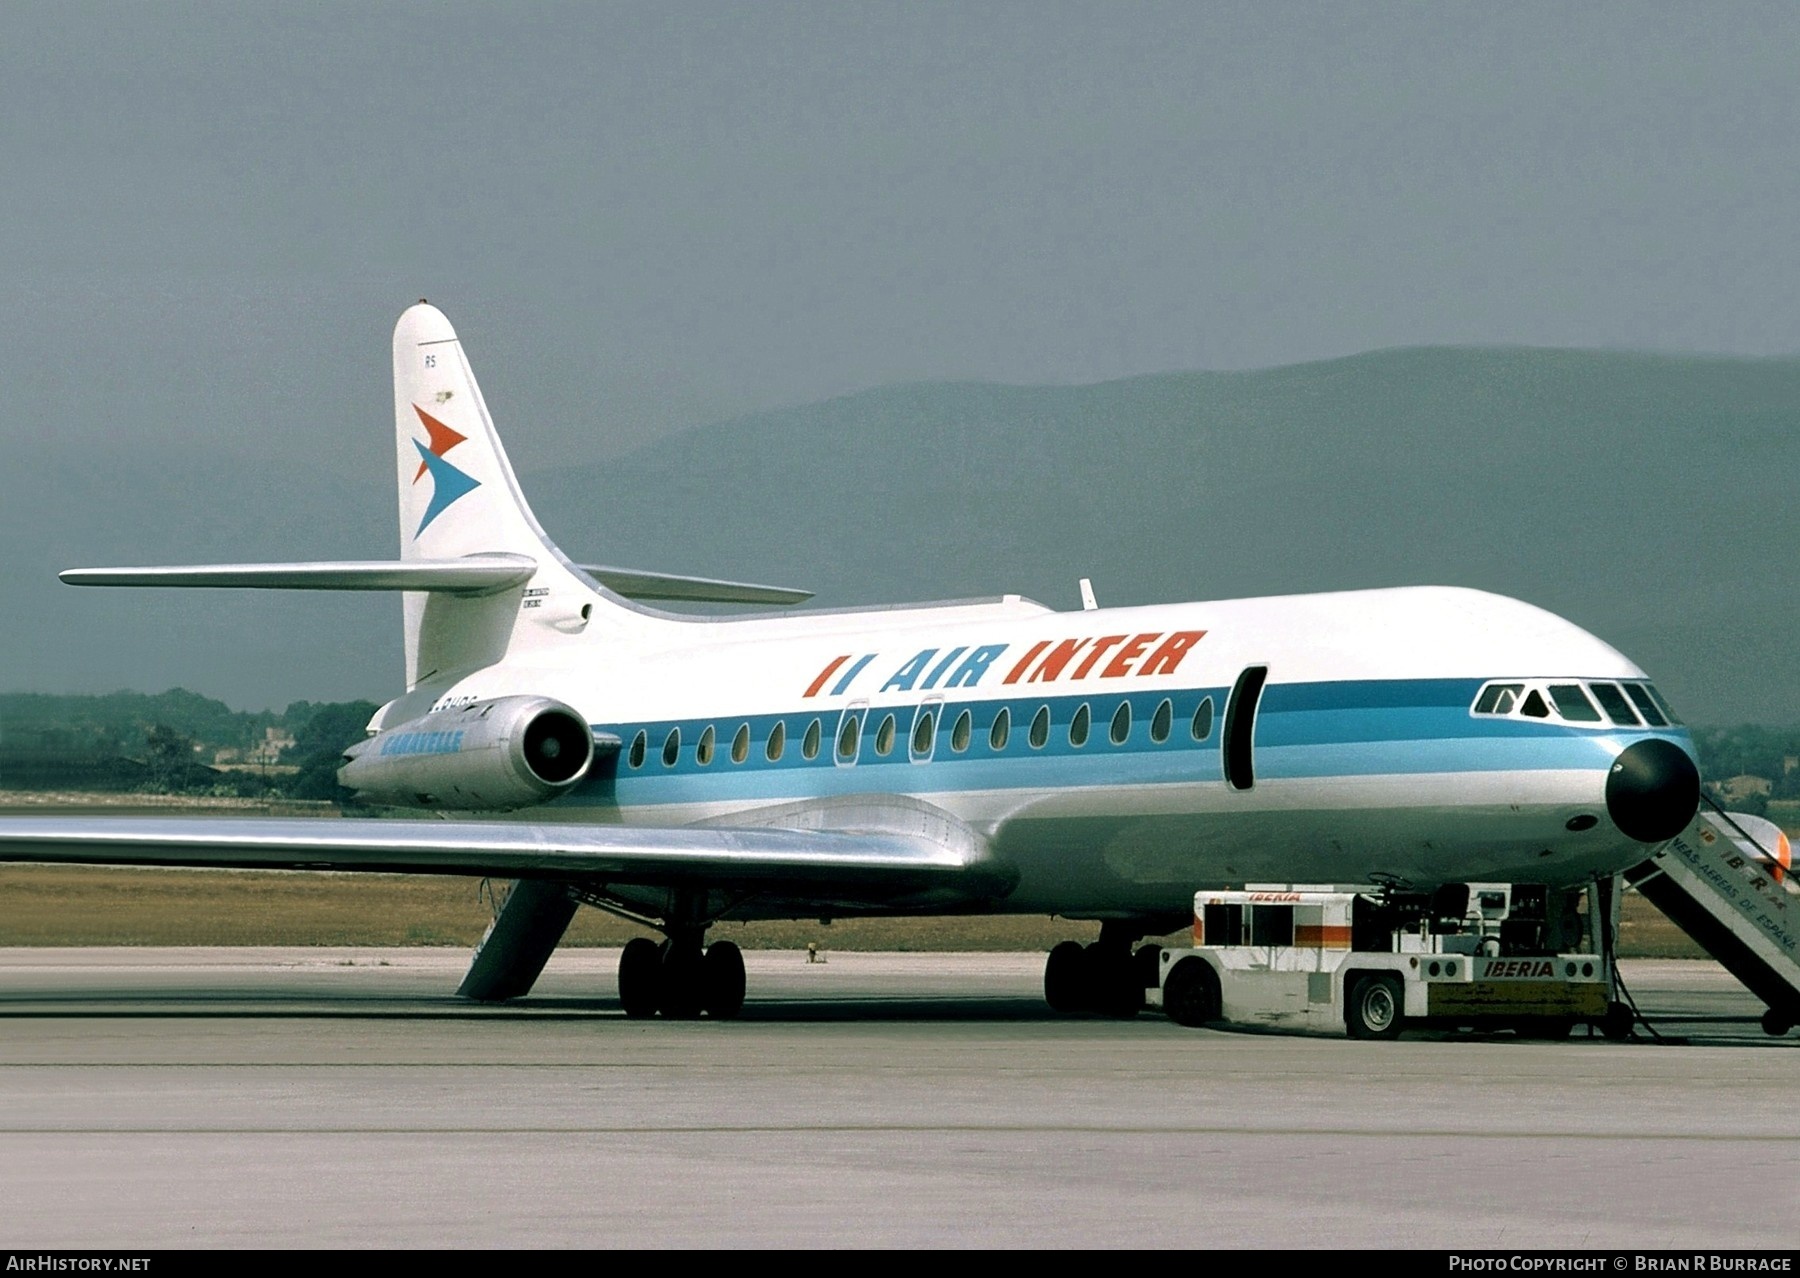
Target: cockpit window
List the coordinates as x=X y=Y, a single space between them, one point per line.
x=1613 y=702
x=1661 y=704
x=1640 y=697
x=1625 y=704
x=1573 y=703
x=1498 y=698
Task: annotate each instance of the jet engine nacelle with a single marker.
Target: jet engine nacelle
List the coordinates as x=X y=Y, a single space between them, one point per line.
x=496 y=755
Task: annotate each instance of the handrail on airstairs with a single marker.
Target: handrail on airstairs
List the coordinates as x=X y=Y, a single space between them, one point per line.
x=1733 y=905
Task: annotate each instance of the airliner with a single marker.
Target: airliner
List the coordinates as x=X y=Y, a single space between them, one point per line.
x=978 y=756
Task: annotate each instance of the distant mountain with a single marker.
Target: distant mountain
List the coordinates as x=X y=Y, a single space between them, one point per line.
x=1646 y=497
x=1643 y=496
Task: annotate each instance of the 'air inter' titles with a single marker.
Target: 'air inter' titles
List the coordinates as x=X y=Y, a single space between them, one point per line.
x=1105 y=657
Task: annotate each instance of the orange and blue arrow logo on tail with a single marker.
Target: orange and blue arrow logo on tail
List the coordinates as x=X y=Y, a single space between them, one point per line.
x=448 y=483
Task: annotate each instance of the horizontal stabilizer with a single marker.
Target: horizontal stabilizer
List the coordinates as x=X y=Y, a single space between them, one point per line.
x=471 y=575
x=634 y=584
x=474 y=575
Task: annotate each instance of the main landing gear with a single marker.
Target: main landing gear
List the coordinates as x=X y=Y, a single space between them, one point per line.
x=1104 y=977
x=682 y=977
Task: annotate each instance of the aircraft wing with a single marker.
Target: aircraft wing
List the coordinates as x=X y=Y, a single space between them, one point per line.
x=880 y=862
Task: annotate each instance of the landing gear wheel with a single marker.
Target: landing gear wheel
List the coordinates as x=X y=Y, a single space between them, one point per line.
x=1375 y=1008
x=682 y=970
x=722 y=980
x=640 y=977
x=1147 y=962
x=1616 y=1024
x=1191 y=994
x=1776 y=1024
x=1113 y=981
x=1066 y=978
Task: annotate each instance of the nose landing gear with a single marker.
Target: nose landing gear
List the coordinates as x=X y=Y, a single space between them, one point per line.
x=1104 y=978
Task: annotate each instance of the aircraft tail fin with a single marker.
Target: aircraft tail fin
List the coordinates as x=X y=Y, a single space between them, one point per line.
x=458 y=497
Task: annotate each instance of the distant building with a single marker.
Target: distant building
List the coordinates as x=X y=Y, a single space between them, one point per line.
x=1743 y=786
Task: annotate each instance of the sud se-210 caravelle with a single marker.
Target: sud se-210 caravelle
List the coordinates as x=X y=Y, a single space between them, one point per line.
x=991 y=756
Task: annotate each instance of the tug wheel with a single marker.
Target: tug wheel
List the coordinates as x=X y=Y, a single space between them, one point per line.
x=1191 y=993
x=1616 y=1024
x=1374 y=1009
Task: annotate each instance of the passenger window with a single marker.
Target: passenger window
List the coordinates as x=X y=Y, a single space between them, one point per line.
x=671 y=747
x=1573 y=703
x=1161 y=722
x=639 y=744
x=740 y=744
x=1646 y=707
x=1203 y=719
x=1121 y=724
x=959 y=735
x=1535 y=705
x=849 y=738
x=1001 y=730
x=777 y=741
x=1078 y=726
x=884 y=737
x=923 y=731
x=703 y=752
x=1613 y=702
x=809 y=744
x=1498 y=698
x=1040 y=728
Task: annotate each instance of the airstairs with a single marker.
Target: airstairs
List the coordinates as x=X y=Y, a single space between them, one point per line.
x=1730 y=893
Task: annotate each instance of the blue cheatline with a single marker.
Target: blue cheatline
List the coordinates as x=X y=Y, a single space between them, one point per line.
x=1342 y=729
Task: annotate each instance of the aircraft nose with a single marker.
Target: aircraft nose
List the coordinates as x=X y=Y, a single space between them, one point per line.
x=1653 y=790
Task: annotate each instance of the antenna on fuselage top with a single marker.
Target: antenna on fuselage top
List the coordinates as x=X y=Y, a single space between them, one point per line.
x=1087 y=595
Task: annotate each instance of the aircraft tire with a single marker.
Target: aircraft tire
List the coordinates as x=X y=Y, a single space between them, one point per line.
x=1113 y=981
x=640 y=977
x=1374 y=1009
x=683 y=976
x=1776 y=1024
x=1147 y=965
x=1066 y=978
x=1191 y=993
x=722 y=980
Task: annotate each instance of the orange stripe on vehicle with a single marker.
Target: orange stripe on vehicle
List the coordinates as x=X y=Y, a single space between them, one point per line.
x=1325 y=936
x=813 y=689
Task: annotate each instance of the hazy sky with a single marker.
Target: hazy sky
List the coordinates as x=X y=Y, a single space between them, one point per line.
x=645 y=217
x=670 y=214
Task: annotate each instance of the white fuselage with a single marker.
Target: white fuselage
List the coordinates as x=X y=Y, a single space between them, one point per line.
x=1111 y=788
